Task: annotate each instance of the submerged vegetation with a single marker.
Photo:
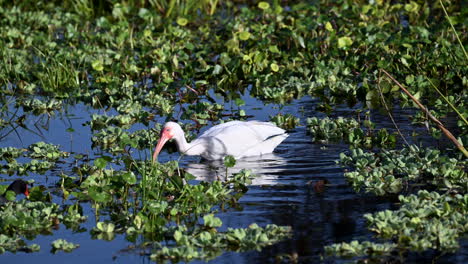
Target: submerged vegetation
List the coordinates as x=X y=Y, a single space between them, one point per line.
x=136 y=64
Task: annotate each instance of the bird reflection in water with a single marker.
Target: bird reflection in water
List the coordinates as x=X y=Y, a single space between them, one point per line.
x=266 y=169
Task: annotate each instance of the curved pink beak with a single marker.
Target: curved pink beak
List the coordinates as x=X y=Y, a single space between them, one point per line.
x=162 y=140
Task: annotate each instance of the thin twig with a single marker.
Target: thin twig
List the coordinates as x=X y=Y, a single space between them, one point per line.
x=440 y=93
x=390 y=114
x=431 y=117
x=453 y=28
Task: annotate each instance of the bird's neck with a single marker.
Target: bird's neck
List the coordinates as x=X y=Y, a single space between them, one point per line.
x=193 y=148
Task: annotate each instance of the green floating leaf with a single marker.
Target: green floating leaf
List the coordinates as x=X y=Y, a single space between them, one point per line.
x=239 y=102
x=344 y=42
x=274 y=49
x=101 y=163
x=97 y=65
x=274 y=67
x=105 y=227
x=217 y=69
x=329 y=27
x=62 y=244
x=263 y=5
x=129 y=177
x=229 y=161
x=212 y=221
x=182 y=21
x=244 y=35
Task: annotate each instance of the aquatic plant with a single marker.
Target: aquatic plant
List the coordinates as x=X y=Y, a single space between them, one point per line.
x=206 y=242
x=392 y=171
x=426 y=220
x=349 y=130
x=15 y=243
x=43 y=158
x=62 y=244
x=287 y=121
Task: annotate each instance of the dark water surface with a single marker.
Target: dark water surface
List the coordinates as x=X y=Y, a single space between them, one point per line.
x=282 y=194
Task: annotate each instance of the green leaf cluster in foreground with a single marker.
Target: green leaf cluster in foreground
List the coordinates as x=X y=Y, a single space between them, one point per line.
x=43 y=157
x=62 y=244
x=205 y=242
x=392 y=171
x=426 y=220
x=29 y=219
x=146 y=200
x=350 y=131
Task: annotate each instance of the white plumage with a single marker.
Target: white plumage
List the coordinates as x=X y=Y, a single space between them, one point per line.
x=235 y=138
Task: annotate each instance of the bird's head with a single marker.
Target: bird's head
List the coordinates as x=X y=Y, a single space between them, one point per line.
x=169 y=131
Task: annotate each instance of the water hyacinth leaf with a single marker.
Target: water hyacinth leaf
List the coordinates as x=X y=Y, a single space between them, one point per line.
x=232 y=44
x=99 y=195
x=98 y=65
x=239 y=102
x=105 y=227
x=229 y=161
x=274 y=49
x=174 y=211
x=217 y=69
x=177 y=235
x=62 y=244
x=244 y=35
x=129 y=177
x=212 y=221
x=182 y=21
x=274 y=67
x=10 y=195
x=412 y=7
x=344 y=42
x=3 y=188
x=101 y=162
x=263 y=5
x=301 y=41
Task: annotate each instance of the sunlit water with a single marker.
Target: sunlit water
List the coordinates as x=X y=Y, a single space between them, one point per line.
x=282 y=193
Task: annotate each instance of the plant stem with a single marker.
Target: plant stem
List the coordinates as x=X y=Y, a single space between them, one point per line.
x=390 y=114
x=453 y=28
x=443 y=96
x=435 y=120
x=448 y=102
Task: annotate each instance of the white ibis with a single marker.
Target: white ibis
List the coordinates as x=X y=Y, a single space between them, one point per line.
x=236 y=138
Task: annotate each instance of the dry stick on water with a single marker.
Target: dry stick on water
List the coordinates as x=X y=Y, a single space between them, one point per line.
x=435 y=120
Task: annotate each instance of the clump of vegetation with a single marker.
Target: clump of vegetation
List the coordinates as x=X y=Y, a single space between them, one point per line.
x=62 y=244
x=286 y=121
x=426 y=220
x=391 y=171
x=349 y=131
x=43 y=158
x=15 y=243
x=206 y=242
